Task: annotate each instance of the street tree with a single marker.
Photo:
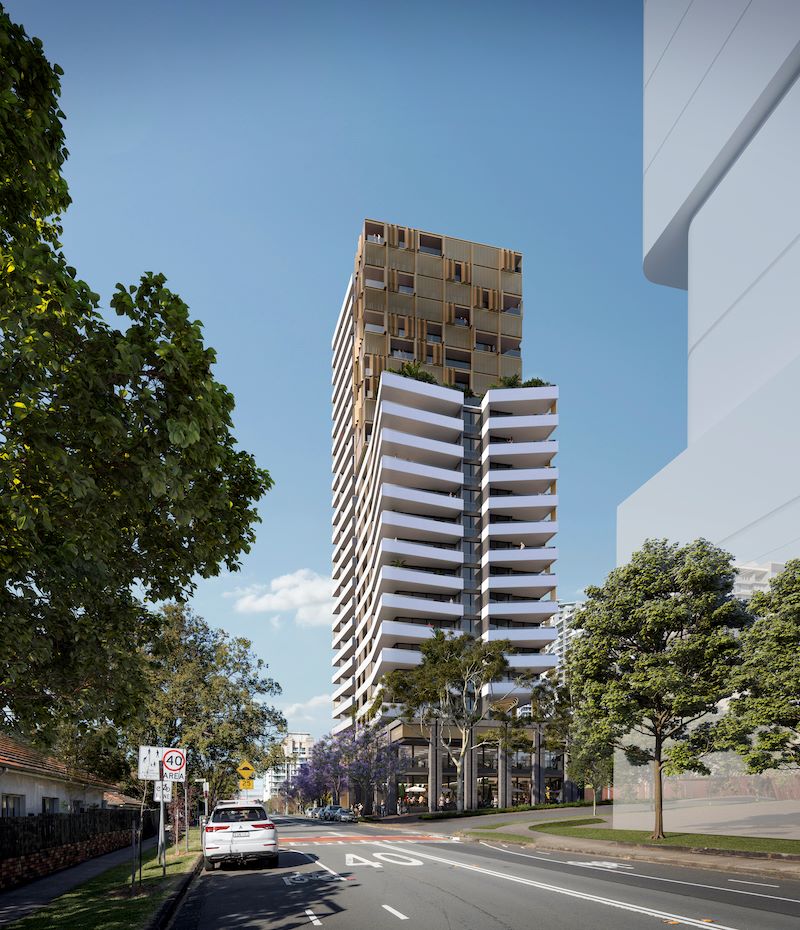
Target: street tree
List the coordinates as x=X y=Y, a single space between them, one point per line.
x=369 y=762
x=443 y=693
x=120 y=479
x=657 y=654
x=763 y=719
x=591 y=759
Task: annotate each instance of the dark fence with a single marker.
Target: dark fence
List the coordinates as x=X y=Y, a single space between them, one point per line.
x=20 y=836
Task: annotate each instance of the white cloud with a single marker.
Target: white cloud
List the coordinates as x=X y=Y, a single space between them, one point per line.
x=305 y=593
x=312 y=709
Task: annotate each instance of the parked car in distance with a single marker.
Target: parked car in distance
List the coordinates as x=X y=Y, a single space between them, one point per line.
x=346 y=815
x=315 y=812
x=330 y=812
x=237 y=832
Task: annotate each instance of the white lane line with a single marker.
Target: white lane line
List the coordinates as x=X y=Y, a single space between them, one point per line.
x=313 y=918
x=391 y=910
x=741 y=881
x=657 y=878
x=570 y=893
x=322 y=865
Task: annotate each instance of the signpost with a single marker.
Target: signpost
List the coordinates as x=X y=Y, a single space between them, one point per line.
x=246 y=773
x=163 y=765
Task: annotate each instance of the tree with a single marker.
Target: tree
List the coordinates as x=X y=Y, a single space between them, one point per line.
x=763 y=719
x=369 y=762
x=591 y=759
x=120 y=480
x=444 y=692
x=417 y=372
x=657 y=654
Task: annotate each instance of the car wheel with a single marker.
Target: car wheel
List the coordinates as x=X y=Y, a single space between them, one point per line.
x=208 y=865
x=272 y=862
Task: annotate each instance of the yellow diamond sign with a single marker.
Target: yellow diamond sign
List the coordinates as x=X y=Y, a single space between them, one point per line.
x=246 y=770
x=246 y=784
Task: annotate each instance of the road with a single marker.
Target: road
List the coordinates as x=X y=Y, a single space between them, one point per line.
x=359 y=877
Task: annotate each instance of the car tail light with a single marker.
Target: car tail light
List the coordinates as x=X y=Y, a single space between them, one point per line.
x=213 y=829
x=263 y=826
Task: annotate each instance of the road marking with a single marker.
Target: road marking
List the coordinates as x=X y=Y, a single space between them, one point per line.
x=741 y=881
x=398 y=859
x=391 y=910
x=602 y=865
x=655 y=878
x=323 y=866
x=581 y=895
x=351 y=859
x=313 y=918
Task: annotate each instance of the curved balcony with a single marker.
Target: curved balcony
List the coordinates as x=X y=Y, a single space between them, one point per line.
x=519 y=610
x=419 y=422
x=411 y=527
x=389 y=606
x=527 y=533
x=416 y=501
x=534 y=507
x=520 y=454
x=534 y=585
x=519 y=480
x=419 y=449
x=516 y=559
x=414 y=554
x=418 y=475
x=524 y=428
x=521 y=636
x=392 y=578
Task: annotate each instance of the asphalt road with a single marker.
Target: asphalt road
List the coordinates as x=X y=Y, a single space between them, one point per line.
x=359 y=877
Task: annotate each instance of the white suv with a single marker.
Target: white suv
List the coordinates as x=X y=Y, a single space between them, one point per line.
x=239 y=831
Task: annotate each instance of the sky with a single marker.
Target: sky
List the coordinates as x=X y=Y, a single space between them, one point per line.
x=238 y=147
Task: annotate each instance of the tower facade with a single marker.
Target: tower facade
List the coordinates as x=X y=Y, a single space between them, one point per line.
x=444 y=491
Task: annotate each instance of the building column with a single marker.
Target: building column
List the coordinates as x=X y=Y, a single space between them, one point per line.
x=503 y=778
x=537 y=775
x=434 y=769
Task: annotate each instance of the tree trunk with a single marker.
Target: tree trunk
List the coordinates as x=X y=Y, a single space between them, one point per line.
x=460 y=783
x=658 y=799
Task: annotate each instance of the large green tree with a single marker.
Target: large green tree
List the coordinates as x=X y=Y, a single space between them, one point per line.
x=763 y=719
x=657 y=654
x=443 y=693
x=205 y=692
x=120 y=479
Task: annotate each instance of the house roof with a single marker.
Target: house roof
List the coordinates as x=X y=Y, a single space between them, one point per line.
x=19 y=757
x=118 y=799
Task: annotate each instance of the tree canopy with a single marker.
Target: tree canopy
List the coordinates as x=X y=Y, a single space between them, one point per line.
x=120 y=479
x=657 y=653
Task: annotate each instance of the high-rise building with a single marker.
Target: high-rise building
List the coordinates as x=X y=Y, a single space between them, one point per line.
x=296 y=750
x=564 y=634
x=721 y=192
x=444 y=494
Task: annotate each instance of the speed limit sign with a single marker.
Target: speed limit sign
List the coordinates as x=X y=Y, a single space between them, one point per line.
x=157 y=763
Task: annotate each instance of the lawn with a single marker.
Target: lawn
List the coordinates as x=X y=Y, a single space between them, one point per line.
x=583 y=830
x=104 y=903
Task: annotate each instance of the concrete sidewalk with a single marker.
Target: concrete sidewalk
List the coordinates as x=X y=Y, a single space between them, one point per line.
x=19 y=902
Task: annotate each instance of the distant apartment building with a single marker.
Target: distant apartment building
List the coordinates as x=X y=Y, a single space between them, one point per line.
x=721 y=179
x=444 y=494
x=751 y=578
x=296 y=750
x=561 y=622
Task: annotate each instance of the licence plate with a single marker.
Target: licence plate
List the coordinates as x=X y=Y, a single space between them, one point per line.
x=242 y=833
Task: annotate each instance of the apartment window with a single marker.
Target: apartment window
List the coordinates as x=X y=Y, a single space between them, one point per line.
x=434 y=333
x=12 y=805
x=430 y=244
x=484 y=299
x=512 y=304
x=401 y=238
x=461 y=316
x=51 y=805
x=458 y=272
x=405 y=283
x=374 y=277
x=374 y=233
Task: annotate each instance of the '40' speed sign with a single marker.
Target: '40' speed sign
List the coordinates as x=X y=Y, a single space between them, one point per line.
x=162 y=762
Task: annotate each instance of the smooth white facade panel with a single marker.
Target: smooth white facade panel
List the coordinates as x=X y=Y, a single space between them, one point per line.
x=722 y=218
x=721 y=70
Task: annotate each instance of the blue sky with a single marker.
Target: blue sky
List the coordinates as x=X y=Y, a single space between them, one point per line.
x=237 y=148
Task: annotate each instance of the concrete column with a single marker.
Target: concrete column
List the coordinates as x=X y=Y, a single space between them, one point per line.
x=503 y=779
x=470 y=776
x=434 y=769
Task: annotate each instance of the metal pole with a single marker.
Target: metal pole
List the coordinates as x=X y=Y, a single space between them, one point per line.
x=162 y=838
x=133 y=848
x=186 y=810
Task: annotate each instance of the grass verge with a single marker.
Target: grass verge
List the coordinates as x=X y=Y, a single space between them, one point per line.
x=104 y=903
x=582 y=830
x=488 y=811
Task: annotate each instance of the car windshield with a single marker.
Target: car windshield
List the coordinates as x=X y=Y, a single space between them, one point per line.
x=239 y=815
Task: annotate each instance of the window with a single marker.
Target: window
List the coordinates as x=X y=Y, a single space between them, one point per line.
x=373 y=276
x=405 y=283
x=239 y=815
x=458 y=272
x=401 y=238
x=51 y=805
x=430 y=244
x=12 y=805
x=484 y=298
x=374 y=233
x=434 y=333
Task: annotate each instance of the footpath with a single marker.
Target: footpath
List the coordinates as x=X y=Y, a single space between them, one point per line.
x=19 y=902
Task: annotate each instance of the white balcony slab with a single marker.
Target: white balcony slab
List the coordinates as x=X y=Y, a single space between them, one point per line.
x=414 y=553
x=520 y=454
x=424 y=503
x=529 y=558
x=520 y=400
x=529 y=533
x=389 y=606
x=419 y=422
x=520 y=609
x=533 y=636
x=521 y=506
x=418 y=475
x=419 y=448
x=409 y=526
x=520 y=480
x=419 y=394
x=525 y=428
x=392 y=577
x=533 y=584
